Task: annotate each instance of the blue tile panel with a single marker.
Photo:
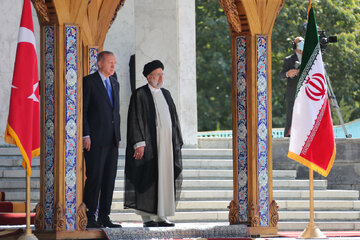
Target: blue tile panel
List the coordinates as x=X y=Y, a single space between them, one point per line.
x=49 y=148
x=241 y=121
x=262 y=132
x=71 y=125
x=93 y=53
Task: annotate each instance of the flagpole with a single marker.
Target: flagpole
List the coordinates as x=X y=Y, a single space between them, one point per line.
x=28 y=233
x=311 y=231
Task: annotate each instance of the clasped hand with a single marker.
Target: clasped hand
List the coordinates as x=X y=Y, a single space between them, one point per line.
x=139 y=152
x=293 y=73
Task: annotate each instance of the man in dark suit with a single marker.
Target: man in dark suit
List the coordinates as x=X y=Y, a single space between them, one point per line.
x=290 y=71
x=101 y=137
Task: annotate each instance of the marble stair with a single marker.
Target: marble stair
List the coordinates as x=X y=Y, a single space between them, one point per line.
x=207 y=191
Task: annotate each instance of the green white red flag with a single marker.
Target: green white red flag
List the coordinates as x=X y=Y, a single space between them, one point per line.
x=312 y=141
x=23 y=126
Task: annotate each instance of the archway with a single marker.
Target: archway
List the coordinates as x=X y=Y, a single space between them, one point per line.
x=251 y=24
x=72 y=35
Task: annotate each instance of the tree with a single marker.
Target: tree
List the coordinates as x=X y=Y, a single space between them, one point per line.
x=342 y=59
x=213 y=42
x=213 y=59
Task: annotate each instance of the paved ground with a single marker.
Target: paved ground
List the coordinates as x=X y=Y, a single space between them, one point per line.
x=342 y=235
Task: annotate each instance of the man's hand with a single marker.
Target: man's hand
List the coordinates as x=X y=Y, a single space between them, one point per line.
x=86 y=143
x=293 y=73
x=139 y=152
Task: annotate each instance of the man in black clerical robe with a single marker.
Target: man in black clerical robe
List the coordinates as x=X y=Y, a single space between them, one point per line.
x=142 y=168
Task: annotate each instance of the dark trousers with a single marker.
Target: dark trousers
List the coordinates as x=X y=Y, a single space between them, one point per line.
x=101 y=167
x=289 y=112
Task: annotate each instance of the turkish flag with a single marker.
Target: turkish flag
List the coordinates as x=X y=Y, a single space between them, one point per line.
x=23 y=127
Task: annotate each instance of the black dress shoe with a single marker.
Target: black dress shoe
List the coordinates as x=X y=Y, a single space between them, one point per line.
x=106 y=222
x=92 y=223
x=150 y=224
x=166 y=223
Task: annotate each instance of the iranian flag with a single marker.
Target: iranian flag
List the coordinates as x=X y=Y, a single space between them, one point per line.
x=312 y=141
x=23 y=127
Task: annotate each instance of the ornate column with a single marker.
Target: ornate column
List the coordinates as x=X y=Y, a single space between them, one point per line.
x=251 y=25
x=70 y=40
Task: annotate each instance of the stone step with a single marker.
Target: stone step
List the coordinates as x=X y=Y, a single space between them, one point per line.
x=218 y=195
x=7 y=173
x=284 y=205
x=322 y=225
x=228 y=184
x=222 y=216
x=15 y=183
x=18 y=184
x=320 y=215
x=277 y=195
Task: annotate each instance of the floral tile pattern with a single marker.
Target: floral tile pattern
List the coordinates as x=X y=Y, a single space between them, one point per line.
x=49 y=148
x=262 y=122
x=93 y=53
x=241 y=101
x=71 y=125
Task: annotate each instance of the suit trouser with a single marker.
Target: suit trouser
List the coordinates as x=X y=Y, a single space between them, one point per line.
x=101 y=167
x=289 y=112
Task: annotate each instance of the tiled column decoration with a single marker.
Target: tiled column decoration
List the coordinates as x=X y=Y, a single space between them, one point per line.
x=49 y=148
x=71 y=41
x=262 y=132
x=93 y=53
x=241 y=127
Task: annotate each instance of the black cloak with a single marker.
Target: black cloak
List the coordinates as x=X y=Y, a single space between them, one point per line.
x=141 y=176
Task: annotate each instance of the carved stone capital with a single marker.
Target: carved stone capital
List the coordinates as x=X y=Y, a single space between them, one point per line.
x=82 y=219
x=60 y=217
x=253 y=214
x=39 y=216
x=233 y=213
x=42 y=10
x=274 y=215
x=232 y=14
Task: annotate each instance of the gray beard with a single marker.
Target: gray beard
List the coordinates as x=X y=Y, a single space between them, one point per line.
x=156 y=84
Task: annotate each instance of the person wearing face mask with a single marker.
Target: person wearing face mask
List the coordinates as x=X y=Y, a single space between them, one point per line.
x=289 y=72
x=153 y=162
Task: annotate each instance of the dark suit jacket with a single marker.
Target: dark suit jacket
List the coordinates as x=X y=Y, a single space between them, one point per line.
x=289 y=63
x=101 y=121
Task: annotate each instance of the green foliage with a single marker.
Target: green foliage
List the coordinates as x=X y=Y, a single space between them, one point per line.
x=213 y=59
x=342 y=59
x=213 y=42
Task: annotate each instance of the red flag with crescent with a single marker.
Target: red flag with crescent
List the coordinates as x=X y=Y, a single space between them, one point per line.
x=23 y=126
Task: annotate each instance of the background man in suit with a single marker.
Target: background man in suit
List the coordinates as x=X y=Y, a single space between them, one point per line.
x=290 y=71
x=101 y=137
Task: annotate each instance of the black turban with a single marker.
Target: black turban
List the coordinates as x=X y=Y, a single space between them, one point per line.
x=151 y=66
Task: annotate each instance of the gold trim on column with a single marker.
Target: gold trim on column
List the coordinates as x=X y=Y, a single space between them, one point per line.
x=81 y=217
x=253 y=214
x=39 y=217
x=60 y=217
x=274 y=215
x=233 y=213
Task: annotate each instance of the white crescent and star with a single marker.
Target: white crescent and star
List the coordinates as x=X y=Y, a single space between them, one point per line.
x=26 y=35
